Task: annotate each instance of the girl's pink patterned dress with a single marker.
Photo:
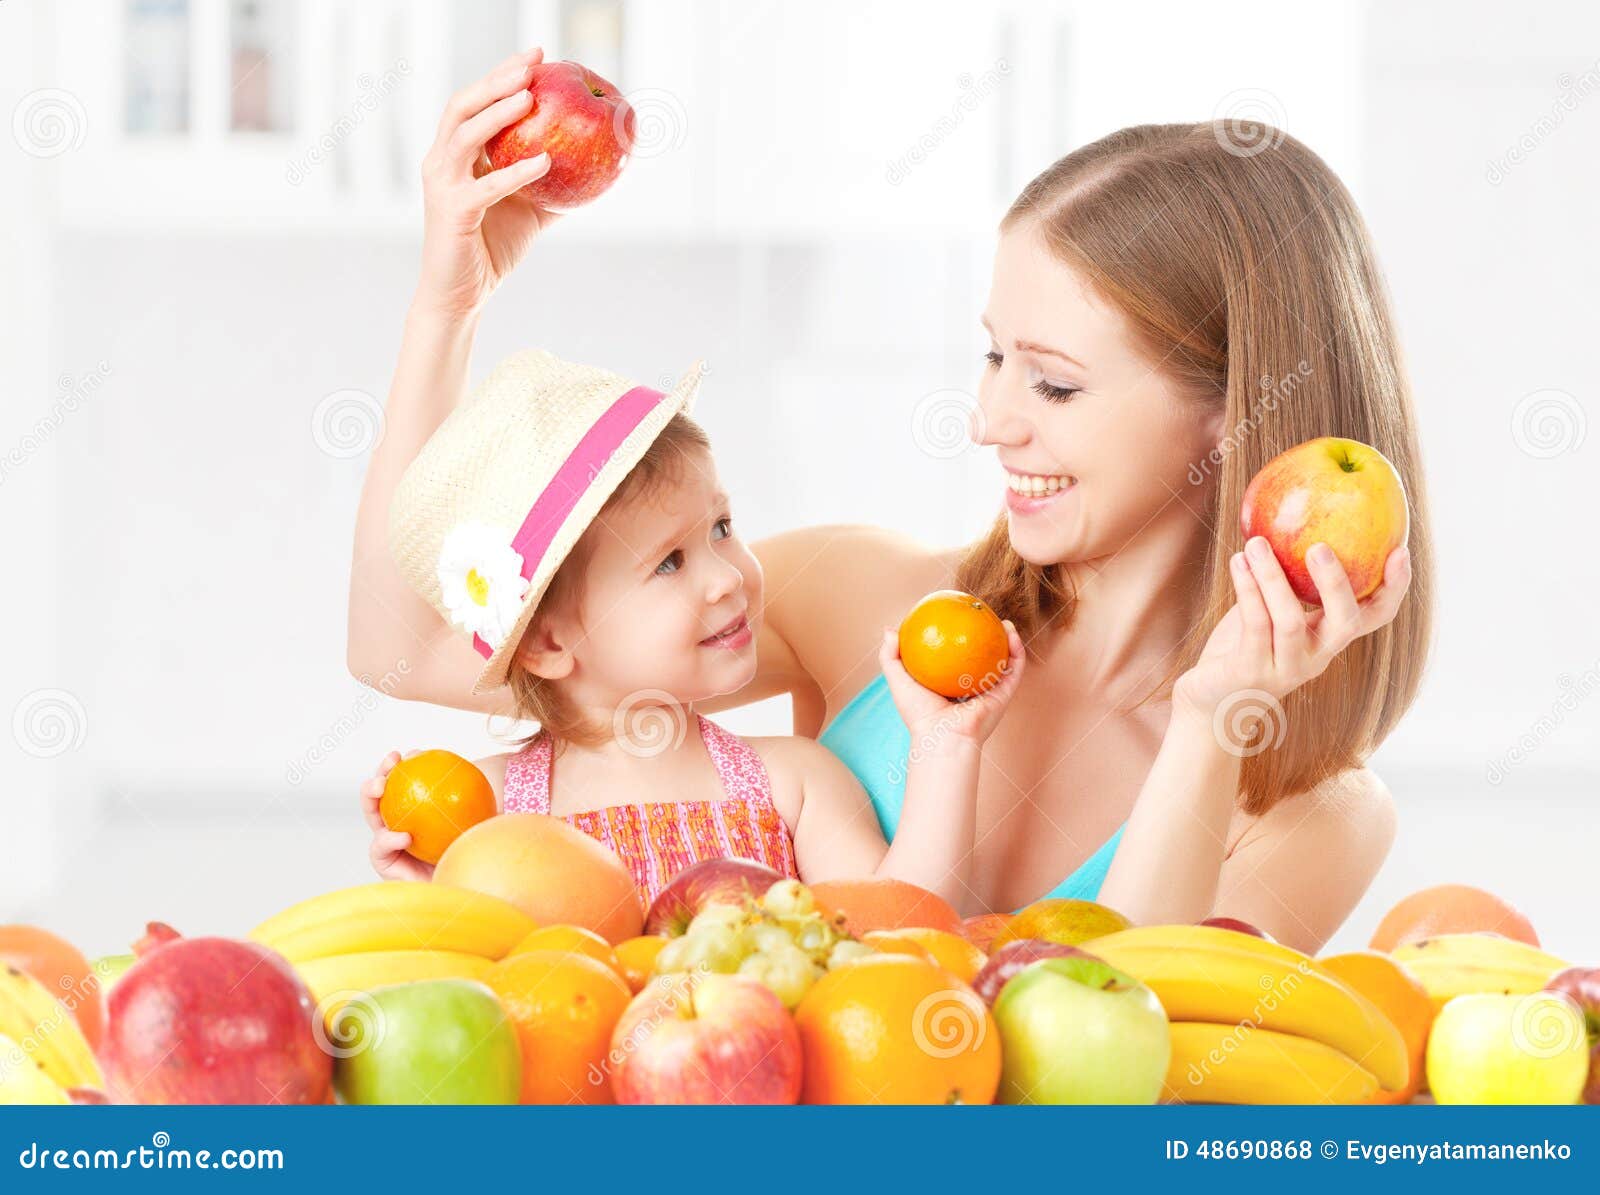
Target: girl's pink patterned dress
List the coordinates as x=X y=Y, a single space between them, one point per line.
x=658 y=839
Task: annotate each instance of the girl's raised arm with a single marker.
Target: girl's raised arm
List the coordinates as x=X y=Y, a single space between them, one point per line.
x=476 y=227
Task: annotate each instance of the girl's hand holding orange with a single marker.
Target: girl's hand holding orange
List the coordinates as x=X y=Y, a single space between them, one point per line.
x=417 y=806
x=952 y=667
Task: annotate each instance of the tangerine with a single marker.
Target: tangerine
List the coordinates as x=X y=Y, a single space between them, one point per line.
x=1450 y=909
x=883 y=903
x=1399 y=997
x=572 y=938
x=892 y=1029
x=952 y=643
x=951 y=951
x=638 y=958
x=63 y=971
x=433 y=796
x=564 y=1006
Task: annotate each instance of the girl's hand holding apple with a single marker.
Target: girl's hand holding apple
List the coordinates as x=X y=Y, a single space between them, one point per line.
x=476 y=227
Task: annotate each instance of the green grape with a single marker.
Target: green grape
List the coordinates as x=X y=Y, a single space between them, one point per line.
x=672 y=956
x=714 y=948
x=848 y=950
x=711 y=916
x=766 y=938
x=815 y=937
x=788 y=897
x=786 y=973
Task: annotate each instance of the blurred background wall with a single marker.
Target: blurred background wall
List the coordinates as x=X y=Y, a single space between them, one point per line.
x=212 y=224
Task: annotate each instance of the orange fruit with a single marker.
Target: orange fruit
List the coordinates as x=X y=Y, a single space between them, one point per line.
x=892 y=1029
x=638 y=958
x=951 y=951
x=552 y=871
x=894 y=941
x=64 y=972
x=570 y=937
x=952 y=643
x=1450 y=909
x=883 y=903
x=434 y=796
x=564 y=1006
x=1400 y=997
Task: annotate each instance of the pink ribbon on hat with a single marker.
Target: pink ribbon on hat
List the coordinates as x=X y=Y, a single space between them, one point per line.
x=573 y=479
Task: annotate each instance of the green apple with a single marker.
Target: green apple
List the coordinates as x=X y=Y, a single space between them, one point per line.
x=436 y=1041
x=1079 y=1031
x=108 y=968
x=1498 y=1049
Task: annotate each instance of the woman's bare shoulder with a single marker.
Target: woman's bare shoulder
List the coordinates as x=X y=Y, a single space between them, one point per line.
x=872 y=566
x=1353 y=808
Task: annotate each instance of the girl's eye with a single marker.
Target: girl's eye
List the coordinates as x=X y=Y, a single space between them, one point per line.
x=993 y=359
x=722 y=528
x=671 y=564
x=1054 y=393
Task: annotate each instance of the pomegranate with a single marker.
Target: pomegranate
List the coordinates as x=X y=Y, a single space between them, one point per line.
x=212 y=1021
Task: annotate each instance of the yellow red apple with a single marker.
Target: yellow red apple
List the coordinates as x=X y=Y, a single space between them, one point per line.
x=1583 y=985
x=1330 y=490
x=705 y=1038
x=582 y=122
x=1491 y=1048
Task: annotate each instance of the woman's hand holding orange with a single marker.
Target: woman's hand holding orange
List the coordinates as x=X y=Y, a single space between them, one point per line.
x=1270 y=642
x=934 y=719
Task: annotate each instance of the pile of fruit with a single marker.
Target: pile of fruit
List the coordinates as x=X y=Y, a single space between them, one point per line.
x=528 y=971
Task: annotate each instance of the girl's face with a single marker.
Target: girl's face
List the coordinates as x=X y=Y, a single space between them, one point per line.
x=670 y=599
x=1096 y=444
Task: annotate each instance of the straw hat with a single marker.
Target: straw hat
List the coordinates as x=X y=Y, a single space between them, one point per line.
x=499 y=495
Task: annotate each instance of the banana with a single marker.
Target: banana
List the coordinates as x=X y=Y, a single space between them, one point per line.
x=1242 y=1064
x=1204 y=974
x=44 y=1030
x=24 y=1081
x=368 y=969
x=406 y=915
x=1453 y=965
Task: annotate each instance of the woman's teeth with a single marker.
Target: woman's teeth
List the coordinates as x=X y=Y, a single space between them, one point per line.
x=1031 y=485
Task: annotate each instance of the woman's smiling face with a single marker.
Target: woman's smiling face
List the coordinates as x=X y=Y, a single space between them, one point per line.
x=1096 y=443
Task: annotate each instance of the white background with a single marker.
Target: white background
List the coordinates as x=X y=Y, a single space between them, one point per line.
x=814 y=216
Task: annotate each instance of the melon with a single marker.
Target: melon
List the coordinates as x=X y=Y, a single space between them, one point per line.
x=552 y=871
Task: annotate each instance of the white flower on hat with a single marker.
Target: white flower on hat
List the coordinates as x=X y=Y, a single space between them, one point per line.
x=481 y=581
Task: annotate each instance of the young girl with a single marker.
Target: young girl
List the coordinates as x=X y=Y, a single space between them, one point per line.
x=571 y=523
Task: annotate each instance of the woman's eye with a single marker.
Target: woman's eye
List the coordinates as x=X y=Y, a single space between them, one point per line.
x=722 y=528
x=993 y=359
x=671 y=564
x=1054 y=393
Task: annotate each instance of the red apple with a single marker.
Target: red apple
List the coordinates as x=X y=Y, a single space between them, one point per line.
x=710 y=881
x=1583 y=985
x=705 y=1038
x=1011 y=958
x=584 y=124
x=212 y=1021
x=981 y=930
x=1237 y=926
x=1339 y=492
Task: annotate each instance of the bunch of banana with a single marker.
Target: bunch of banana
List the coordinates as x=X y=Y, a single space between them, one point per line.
x=1257 y=1022
x=408 y=916
x=43 y=1031
x=24 y=1081
x=1463 y=964
x=1244 y=1064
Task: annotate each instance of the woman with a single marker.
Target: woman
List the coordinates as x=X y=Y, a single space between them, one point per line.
x=1167 y=312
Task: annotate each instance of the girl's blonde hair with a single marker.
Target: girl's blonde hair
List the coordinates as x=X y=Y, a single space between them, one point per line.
x=538 y=699
x=1249 y=278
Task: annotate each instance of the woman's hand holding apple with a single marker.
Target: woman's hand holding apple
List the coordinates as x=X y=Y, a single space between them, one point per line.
x=476 y=227
x=1269 y=641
